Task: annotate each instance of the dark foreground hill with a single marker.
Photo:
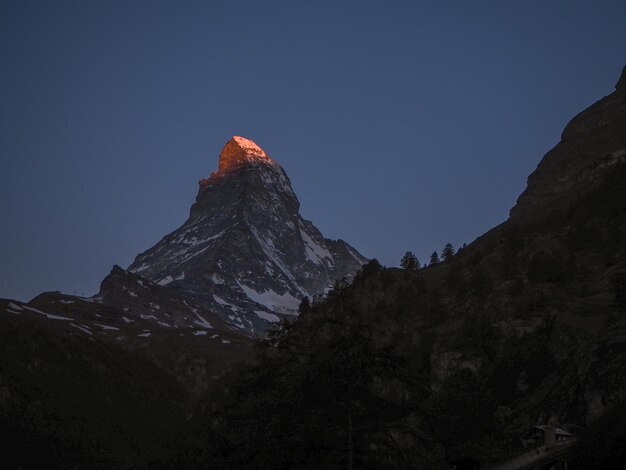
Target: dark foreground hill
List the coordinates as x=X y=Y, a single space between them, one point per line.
x=67 y=401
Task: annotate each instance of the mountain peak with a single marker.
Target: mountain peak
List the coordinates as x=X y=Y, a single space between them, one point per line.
x=239 y=151
x=245 y=252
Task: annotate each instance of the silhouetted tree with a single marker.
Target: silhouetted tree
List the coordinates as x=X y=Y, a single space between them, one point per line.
x=448 y=252
x=371 y=268
x=434 y=258
x=409 y=262
x=305 y=306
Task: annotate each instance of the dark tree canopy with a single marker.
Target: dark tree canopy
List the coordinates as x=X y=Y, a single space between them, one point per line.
x=618 y=288
x=305 y=306
x=371 y=268
x=448 y=252
x=331 y=390
x=409 y=262
x=434 y=258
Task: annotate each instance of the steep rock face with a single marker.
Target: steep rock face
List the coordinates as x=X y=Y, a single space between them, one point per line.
x=592 y=142
x=245 y=251
x=239 y=151
x=140 y=299
x=541 y=334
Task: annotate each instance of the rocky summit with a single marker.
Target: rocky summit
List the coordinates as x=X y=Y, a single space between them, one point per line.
x=245 y=252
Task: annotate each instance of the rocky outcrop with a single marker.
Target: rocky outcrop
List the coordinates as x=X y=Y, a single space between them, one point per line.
x=593 y=142
x=539 y=293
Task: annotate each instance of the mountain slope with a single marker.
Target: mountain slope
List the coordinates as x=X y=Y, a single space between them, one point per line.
x=592 y=143
x=68 y=400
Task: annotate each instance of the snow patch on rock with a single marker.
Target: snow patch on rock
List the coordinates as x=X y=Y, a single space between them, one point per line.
x=270 y=317
x=282 y=303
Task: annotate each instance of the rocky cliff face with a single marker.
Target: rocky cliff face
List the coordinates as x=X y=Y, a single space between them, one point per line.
x=591 y=144
x=245 y=252
x=535 y=327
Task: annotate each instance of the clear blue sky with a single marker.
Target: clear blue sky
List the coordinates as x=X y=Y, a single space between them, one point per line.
x=402 y=125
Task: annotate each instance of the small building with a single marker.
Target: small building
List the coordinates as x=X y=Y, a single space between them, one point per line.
x=550 y=449
x=546 y=435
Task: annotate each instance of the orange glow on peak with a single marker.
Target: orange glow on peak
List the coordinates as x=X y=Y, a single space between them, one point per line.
x=237 y=152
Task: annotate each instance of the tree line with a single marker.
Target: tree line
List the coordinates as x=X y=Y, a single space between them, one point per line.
x=410 y=262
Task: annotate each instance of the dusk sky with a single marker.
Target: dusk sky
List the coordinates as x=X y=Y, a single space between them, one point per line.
x=402 y=125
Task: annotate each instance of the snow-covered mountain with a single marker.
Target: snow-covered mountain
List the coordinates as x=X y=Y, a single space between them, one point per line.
x=245 y=252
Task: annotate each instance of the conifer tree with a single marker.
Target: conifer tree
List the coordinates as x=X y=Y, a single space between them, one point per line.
x=434 y=258
x=448 y=252
x=305 y=306
x=409 y=262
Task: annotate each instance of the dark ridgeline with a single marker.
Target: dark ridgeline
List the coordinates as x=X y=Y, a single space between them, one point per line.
x=456 y=365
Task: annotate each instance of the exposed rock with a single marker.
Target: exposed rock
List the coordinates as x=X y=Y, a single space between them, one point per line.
x=591 y=144
x=141 y=299
x=239 y=151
